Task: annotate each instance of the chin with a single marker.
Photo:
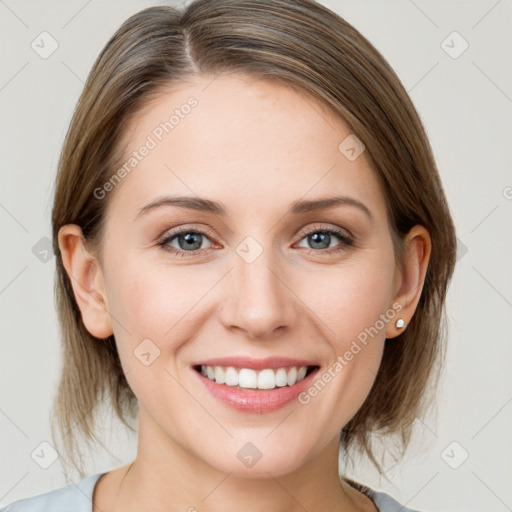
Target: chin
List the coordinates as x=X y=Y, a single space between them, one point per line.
x=249 y=461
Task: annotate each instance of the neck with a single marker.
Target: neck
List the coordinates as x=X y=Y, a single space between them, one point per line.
x=165 y=476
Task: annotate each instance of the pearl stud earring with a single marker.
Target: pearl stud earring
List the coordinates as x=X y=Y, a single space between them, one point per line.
x=400 y=323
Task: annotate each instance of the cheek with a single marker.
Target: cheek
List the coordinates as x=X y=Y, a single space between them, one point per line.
x=353 y=304
x=154 y=314
x=156 y=301
x=350 y=300
x=350 y=304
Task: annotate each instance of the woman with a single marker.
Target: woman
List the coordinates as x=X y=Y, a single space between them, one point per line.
x=253 y=250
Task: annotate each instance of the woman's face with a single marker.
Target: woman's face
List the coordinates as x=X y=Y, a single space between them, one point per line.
x=256 y=281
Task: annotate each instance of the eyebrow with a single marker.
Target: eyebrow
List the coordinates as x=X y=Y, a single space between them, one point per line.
x=218 y=208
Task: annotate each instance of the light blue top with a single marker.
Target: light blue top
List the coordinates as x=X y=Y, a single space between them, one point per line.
x=78 y=498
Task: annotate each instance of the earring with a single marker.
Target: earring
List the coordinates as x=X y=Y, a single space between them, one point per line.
x=400 y=323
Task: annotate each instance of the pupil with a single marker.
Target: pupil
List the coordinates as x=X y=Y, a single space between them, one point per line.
x=317 y=239
x=190 y=239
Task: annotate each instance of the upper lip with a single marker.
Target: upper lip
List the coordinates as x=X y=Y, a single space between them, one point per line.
x=256 y=364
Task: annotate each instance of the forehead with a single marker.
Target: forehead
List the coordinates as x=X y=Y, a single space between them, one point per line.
x=254 y=145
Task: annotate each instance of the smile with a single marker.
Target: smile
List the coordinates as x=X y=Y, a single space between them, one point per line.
x=249 y=378
x=255 y=386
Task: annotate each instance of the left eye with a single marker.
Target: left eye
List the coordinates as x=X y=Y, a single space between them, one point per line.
x=319 y=239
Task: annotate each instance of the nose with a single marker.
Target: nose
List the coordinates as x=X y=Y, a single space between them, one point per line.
x=258 y=299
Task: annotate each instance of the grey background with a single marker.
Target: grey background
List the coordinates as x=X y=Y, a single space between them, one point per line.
x=466 y=105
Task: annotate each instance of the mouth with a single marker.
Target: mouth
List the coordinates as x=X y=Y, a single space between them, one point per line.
x=255 y=386
x=252 y=379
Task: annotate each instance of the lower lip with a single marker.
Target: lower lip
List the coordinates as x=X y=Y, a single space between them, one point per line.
x=256 y=400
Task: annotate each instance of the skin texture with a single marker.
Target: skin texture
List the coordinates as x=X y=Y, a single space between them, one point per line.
x=256 y=147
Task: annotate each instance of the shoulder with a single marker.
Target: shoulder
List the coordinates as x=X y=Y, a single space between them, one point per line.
x=71 y=498
x=384 y=502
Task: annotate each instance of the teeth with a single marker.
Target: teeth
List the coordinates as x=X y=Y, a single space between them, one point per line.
x=266 y=379
x=249 y=378
x=220 y=376
x=281 y=377
x=292 y=376
x=231 y=377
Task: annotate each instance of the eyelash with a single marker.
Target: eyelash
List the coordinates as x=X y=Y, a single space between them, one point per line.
x=347 y=241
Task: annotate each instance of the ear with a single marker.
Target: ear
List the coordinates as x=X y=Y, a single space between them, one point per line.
x=417 y=245
x=86 y=278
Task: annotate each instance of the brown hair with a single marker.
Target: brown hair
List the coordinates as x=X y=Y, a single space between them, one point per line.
x=305 y=46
